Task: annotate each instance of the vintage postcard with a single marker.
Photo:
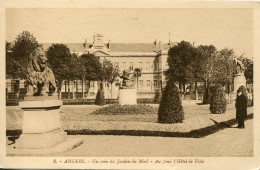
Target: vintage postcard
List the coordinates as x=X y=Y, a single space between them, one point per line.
x=129 y=85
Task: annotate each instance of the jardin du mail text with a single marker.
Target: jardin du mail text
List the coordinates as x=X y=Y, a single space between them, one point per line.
x=129 y=161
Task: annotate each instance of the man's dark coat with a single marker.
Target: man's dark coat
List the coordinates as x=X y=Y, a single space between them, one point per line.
x=241 y=107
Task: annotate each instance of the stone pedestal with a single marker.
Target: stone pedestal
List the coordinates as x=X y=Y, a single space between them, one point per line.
x=41 y=124
x=42 y=132
x=127 y=96
x=239 y=80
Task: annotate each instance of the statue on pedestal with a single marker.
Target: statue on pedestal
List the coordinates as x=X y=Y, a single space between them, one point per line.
x=239 y=77
x=127 y=92
x=40 y=76
x=41 y=113
x=239 y=67
x=127 y=83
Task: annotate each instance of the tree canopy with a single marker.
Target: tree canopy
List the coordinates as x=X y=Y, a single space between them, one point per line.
x=223 y=68
x=180 y=59
x=24 y=45
x=91 y=67
x=109 y=71
x=249 y=68
x=137 y=74
x=12 y=66
x=59 y=57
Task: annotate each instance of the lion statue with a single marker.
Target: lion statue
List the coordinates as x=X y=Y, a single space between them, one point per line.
x=40 y=77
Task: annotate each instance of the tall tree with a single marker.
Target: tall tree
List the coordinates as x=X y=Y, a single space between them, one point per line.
x=179 y=60
x=58 y=59
x=110 y=72
x=208 y=54
x=24 y=45
x=248 y=66
x=12 y=66
x=249 y=73
x=91 y=67
x=223 y=68
x=137 y=74
x=74 y=71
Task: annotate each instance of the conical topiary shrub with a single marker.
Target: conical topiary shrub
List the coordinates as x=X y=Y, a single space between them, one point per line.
x=100 y=98
x=170 y=109
x=218 y=101
x=157 y=96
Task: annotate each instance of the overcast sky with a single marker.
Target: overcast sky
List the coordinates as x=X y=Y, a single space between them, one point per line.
x=232 y=28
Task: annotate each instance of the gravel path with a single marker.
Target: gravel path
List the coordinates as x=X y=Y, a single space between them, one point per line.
x=230 y=142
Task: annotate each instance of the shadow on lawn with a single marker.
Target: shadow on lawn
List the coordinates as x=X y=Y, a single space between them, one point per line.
x=192 y=134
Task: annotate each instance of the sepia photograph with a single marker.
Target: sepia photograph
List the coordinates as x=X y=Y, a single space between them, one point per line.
x=125 y=87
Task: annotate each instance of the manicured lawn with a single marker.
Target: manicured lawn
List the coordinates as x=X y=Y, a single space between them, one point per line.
x=76 y=114
x=83 y=113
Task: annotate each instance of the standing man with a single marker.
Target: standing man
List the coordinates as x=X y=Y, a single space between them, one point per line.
x=241 y=106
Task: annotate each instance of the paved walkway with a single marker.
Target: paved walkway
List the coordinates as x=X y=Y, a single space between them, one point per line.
x=230 y=142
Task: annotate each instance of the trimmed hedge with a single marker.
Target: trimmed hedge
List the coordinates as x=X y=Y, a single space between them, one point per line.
x=15 y=102
x=145 y=101
x=12 y=102
x=100 y=98
x=117 y=109
x=170 y=109
x=218 y=101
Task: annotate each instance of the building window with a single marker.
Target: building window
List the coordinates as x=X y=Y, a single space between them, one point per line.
x=141 y=82
x=131 y=66
x=148 y=66
x=155 y=83
x=141 y=65
x=148 y=83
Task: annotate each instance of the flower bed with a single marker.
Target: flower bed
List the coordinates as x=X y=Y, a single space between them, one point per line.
x=127 y=110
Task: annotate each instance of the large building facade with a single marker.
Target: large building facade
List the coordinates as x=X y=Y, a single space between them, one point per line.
x=151 y=58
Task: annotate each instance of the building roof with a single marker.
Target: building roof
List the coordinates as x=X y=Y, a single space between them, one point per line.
x=74 y=47
x=113 y=47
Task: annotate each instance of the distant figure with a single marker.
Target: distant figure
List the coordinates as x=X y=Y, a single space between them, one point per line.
x=241 y=106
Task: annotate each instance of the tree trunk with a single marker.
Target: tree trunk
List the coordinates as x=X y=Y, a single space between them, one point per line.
x=252 y=91
x=73 y=91
x=196 y=91
x=68 y=89
x=83 y=88
x=111 y=91
x=184 y=91
x=60 y=93
x=205 y=93
x=137 y=82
